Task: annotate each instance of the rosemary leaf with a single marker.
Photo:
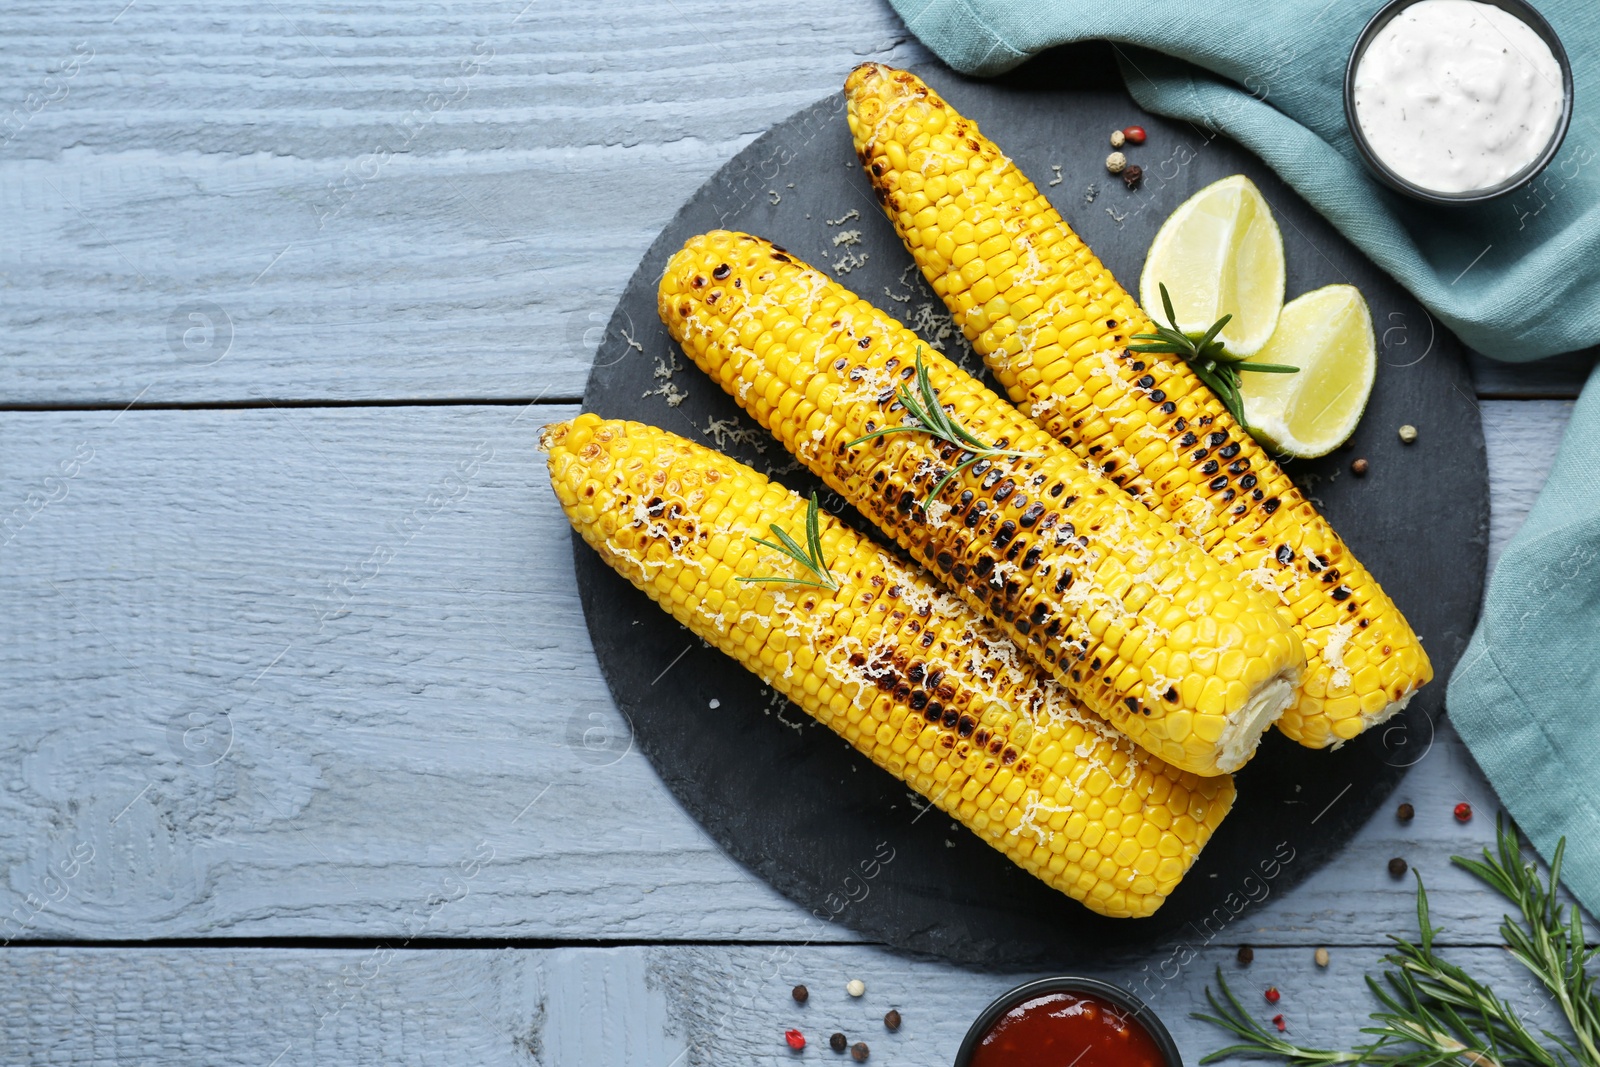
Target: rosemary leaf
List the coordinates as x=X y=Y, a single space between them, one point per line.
x=1210 y=335
x=809 y=557
x=929 y=416
x=1207 y=357
x=1547 y=941
x=814 y=536
x=1257 y=1040
x=790 y=548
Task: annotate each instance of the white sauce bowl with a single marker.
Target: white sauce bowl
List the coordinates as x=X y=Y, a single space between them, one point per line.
x=1456 y=102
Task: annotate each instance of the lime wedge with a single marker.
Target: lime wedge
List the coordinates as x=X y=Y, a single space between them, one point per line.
x=1220 y=253
x=1327 y=333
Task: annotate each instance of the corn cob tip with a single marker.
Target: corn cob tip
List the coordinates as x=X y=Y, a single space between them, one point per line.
x=678 y=270
x=865 y=74
x=872 y=90
x=553 y=434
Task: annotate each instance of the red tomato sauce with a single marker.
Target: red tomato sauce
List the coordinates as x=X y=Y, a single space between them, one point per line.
x=1067 y=1030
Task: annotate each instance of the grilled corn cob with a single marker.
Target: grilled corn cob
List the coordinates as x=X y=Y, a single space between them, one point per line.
x=914 y=680
x=1052 y=325
x=1141 y=626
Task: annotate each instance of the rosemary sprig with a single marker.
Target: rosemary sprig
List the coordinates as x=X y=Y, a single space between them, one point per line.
x=1210 y=362
x=1434 y=1013
x=931 y=418
x=1258 y=1041
x=1547 y=941
x=810 y=557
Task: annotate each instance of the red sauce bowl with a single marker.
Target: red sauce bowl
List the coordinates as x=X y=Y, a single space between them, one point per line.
x=1061 y=1022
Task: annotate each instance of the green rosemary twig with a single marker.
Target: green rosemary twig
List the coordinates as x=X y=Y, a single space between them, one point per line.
x=810 y=557
x=1434 y=1013
x=1547 y=941
x=931 y=418
x=1210 y=362
x=1258 y=1041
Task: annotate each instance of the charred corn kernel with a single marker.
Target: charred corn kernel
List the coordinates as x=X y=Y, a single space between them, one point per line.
x=1056 y=343
x=887 y=646
x=1049 y=550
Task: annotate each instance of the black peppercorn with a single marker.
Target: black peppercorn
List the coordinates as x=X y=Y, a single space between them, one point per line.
x=859 y=1052
x=1359 y=468
x=892 y=1019
x=838 y=1042
x=1246 y=955
x=1397 y=868
x=1405 y=813
x=801 y=994
x=1131 y=175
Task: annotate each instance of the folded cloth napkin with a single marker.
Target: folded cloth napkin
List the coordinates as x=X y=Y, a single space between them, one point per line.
x=1516 y=279
x=1526 y=694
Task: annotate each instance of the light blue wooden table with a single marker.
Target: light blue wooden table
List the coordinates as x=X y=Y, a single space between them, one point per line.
x=304 y=755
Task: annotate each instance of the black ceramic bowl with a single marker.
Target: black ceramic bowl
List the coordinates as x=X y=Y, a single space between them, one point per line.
x=1135 y=1008
x=1380 y=170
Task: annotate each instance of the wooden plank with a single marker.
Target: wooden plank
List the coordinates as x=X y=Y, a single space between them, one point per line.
x=296 y=672
x=1521 y=440
x=359 y=206
x=343 y=642
x=623 y=1007
x=362 y=205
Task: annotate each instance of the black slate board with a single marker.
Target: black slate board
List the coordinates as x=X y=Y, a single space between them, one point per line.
x=845 y=840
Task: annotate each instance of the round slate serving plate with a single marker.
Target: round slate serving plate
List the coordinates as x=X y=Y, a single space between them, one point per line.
x=797 y=805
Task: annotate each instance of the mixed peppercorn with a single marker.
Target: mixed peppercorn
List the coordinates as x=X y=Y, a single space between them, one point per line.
x=1117 y=162
x=838 y=1041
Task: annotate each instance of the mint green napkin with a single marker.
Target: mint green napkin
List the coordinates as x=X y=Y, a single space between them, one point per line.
x=1516 y=279
x=1526 y=694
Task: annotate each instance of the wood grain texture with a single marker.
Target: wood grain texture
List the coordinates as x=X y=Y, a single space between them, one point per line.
x=359 y=205
x=1521 y=441
x=622 y=1007
x=439 y=203
x=294 y=672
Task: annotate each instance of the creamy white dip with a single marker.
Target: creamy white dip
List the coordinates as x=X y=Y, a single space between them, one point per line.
x=1455 y=96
